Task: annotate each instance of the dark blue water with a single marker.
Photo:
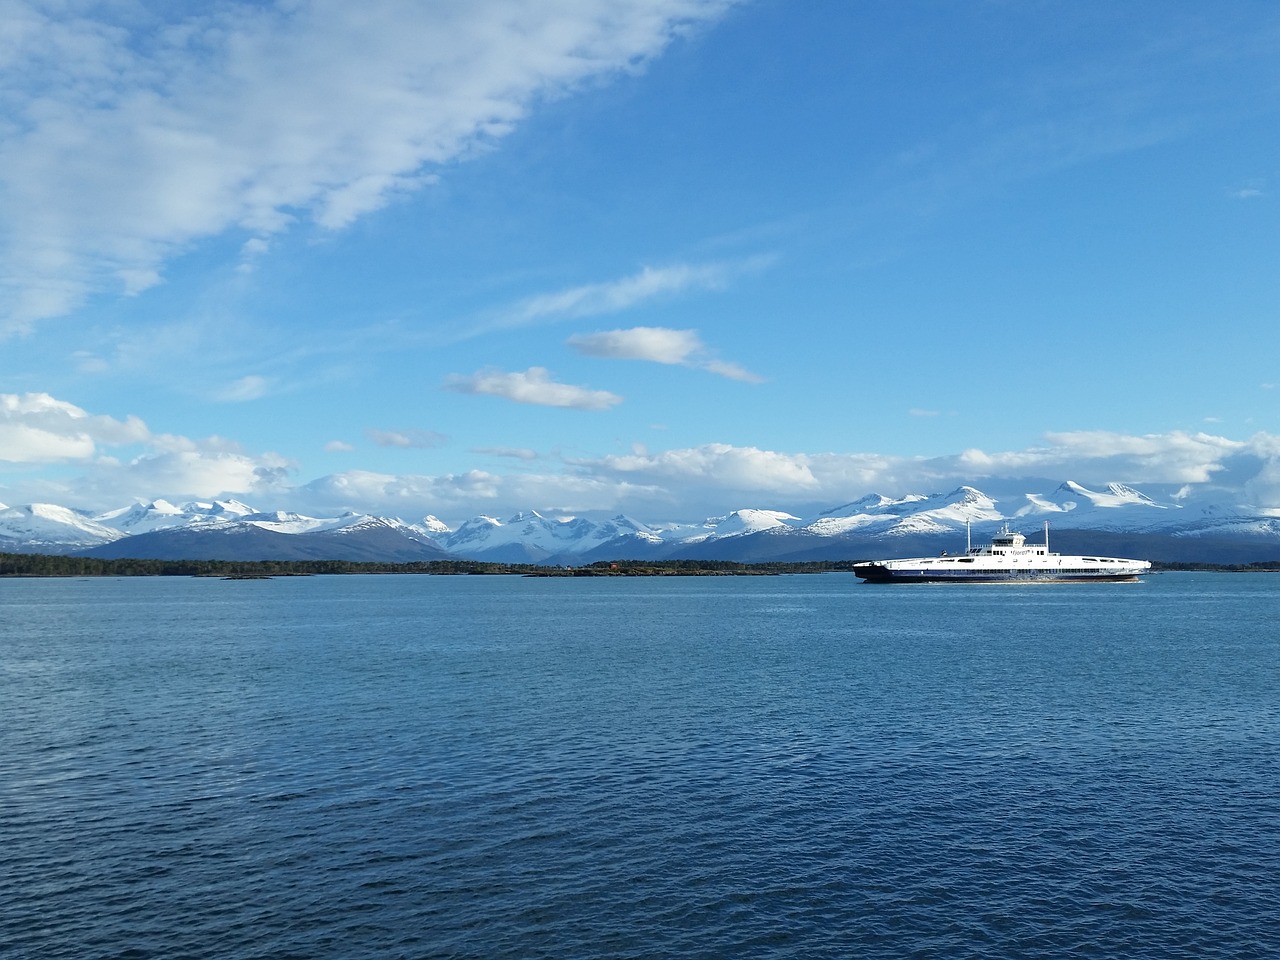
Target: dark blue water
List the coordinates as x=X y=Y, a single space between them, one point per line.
x=799 y=767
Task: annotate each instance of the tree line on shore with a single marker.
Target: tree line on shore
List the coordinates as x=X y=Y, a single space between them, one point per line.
x=54 y=565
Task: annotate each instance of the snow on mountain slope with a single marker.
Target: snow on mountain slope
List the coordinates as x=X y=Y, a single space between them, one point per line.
x=145 y=517
x=431 y=527
x=361 y=524
x=623 y=526
x=48 y=528
x=529 y=535
x=148 y=517
x=913 y=514
x=739 y=523
x=280 y=521
x=1233 y=527
x=475 y=532
x=526 y=537
x=1116 y=507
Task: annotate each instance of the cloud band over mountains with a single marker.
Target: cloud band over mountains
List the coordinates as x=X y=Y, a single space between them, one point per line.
x=115 y=458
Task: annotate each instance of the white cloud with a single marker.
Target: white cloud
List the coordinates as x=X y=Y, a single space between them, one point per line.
x=657 y=345
x=122 y=459
x=406 y=439
x=464 y=495
x=1176 y=457
x=364 y=490
x=194 y=469
x=125 y=136
x=338 y=446
x=37 y=428
x=533 y=386
x=716 y=465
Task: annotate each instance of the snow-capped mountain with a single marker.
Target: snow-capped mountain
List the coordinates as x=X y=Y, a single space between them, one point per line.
x=529 y=537
x=1074 y=505
x=146 y=517
x=1116 y=519
x=915 y=514
x=149 y=517
x=739 y=523
x=430 y=526
x=231 y=530
x=48 y=528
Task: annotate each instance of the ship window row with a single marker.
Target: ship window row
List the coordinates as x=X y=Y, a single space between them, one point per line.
x=1047 y=566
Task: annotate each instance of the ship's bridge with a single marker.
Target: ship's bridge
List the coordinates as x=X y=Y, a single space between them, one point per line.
x=1009 y=543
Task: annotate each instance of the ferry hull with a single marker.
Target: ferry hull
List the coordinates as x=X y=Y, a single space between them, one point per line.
x=876 y=573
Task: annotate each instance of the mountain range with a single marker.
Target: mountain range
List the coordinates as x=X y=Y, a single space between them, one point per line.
x=1116 y=520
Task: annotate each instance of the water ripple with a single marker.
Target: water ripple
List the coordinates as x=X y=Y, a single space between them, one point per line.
x=797 y=768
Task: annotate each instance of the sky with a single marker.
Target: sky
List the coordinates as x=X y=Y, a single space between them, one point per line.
x=667 y=258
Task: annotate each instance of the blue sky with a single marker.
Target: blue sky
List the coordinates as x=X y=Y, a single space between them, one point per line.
x=661 y=257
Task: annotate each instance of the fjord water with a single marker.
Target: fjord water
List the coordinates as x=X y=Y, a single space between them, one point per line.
x=804 y=766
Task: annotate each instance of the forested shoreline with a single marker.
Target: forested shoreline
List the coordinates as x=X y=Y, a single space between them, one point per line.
x=53 y=565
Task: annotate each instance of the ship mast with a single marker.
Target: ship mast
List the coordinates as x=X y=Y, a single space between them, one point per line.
x=1046 y=536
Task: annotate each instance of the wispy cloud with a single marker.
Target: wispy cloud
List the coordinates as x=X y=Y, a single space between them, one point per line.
x=533 y=386
x=407 y=439
x=1079 y=108
x=252 y=387
x=731 y=371
x=613 y=296
x=513 y=453
x=607 y=297
x=658 y=345
x=131 y=131
x=1251 y=190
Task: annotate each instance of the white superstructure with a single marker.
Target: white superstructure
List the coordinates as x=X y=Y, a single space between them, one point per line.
x=1009 y=559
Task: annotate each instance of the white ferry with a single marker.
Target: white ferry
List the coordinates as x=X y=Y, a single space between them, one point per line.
x=1009 y=559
